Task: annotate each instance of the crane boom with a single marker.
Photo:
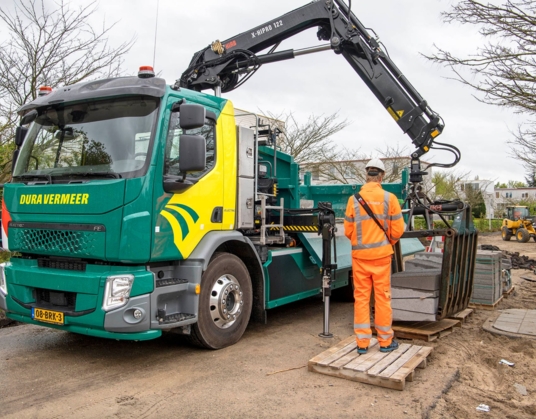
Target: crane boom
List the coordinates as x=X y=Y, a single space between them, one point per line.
x=228 y=64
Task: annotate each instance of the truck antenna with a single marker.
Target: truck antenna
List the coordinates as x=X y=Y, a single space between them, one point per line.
x=155 y=32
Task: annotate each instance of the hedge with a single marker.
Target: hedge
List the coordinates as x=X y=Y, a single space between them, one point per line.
x=481 y=224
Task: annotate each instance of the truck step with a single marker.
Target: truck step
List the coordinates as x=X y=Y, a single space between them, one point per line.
x=175 y=317
x=166 y=282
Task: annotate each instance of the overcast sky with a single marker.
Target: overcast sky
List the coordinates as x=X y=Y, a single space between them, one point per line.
x=324 y=83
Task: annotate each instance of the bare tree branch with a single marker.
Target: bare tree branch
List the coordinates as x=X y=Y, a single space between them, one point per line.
x=54 y=48
x=502 y=71
x=309 y=140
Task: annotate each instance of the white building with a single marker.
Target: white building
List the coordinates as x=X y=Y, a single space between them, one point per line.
x=486 y=187
x=353 y=171
x=512 y=196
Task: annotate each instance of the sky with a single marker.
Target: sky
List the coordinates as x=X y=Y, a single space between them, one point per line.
x=324 y=83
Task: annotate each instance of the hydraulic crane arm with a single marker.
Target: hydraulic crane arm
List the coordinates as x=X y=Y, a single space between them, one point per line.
x=226 y=65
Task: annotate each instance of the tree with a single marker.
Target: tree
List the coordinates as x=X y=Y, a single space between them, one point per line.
x=475 y=198
x=503 y=70
x=531 y=179
x=310 y=140
x=53 y=47
x=446 y=185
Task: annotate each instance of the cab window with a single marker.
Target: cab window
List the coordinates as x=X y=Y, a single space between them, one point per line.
x=171 y=161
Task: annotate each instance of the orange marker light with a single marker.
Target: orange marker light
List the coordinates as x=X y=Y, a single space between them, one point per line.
x=45 y=90
x=146 y=72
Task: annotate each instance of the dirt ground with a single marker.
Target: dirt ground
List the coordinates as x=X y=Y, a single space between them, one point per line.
x=48 y=373
x=475 y=354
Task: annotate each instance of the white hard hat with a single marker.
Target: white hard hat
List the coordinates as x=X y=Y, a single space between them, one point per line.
x=377 y=163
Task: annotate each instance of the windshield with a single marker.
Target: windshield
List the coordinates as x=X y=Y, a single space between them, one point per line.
x=108 y=138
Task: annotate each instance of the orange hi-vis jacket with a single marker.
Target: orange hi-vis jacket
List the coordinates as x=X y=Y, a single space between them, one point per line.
x=368 y=240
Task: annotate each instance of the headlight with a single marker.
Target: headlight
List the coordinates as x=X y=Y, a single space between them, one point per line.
x=117 y=291
x=3 y=285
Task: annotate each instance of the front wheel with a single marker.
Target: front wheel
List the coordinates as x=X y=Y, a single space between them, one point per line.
x=225 y=303
x=522 y=235
x=506 y=233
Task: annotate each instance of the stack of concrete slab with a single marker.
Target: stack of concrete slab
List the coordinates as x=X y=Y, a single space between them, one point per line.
x=415 y=293
x=487 y=282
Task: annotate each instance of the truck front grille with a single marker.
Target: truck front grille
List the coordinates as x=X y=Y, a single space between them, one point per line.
x=68 y=240
x=65 y=264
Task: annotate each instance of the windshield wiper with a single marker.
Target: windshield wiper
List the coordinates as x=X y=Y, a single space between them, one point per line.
x=29 y=176
x=97 y=174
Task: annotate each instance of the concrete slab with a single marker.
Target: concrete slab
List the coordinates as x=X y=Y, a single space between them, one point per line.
x=428 y=279
x=513 y=323
x=411 y=316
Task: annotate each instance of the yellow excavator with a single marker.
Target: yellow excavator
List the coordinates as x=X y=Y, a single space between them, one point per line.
x=518 y=223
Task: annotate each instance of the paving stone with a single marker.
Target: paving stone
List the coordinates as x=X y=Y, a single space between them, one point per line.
x=417 y=265
x=407 y=316
x=431 y=256
x=507 y=327
x=398 y=293
x=426 y=305
x=429 y=279
x=527 y=330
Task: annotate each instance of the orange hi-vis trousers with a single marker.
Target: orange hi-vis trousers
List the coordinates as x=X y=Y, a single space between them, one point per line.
x=369 y=273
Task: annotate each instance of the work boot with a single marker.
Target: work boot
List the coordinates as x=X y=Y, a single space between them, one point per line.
x=362 y=351
x=392 y=347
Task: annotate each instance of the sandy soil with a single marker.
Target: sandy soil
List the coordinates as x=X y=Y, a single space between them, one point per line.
x=476 y=355
x=48 y=373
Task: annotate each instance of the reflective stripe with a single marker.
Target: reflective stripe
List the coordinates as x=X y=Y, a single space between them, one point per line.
x=382 y=328
x=362 y=326
x=360 y=336
x=385 y=336
x=359 y=218
x=350 y=220
x=396 y=217
x=368 y=217
x=385 y=210
x=370 y=246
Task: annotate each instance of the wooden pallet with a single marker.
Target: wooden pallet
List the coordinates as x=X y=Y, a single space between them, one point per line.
x=510 y=291
x=463 y=315
x=427 y=331
x=389 y=370
x=486 y=306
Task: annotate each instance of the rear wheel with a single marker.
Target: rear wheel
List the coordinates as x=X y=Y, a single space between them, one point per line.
x=522 y=235
x=225 y=303
x=506 y=233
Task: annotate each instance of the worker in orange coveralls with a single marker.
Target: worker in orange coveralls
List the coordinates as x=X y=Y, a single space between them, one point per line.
x=372 y=255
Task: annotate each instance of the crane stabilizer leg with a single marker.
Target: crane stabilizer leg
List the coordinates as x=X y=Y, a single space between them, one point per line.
x=327 y=225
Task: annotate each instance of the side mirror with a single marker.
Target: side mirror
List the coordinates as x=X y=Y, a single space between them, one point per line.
x=192 y=158
x=192 y=153
x=14 y=159
x=20 y=134
x=29 y=117
x=192 y=116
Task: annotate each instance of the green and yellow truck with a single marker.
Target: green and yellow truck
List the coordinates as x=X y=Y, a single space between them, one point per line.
x=137 y=207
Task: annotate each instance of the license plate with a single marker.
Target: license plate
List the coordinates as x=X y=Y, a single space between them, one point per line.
x=47 y=316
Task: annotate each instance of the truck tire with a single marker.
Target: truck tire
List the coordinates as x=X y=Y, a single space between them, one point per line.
x=506 y=233
x=225 y=303
x=522 y=235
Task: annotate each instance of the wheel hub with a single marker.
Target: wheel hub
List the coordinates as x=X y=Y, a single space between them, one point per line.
x=226 y=301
